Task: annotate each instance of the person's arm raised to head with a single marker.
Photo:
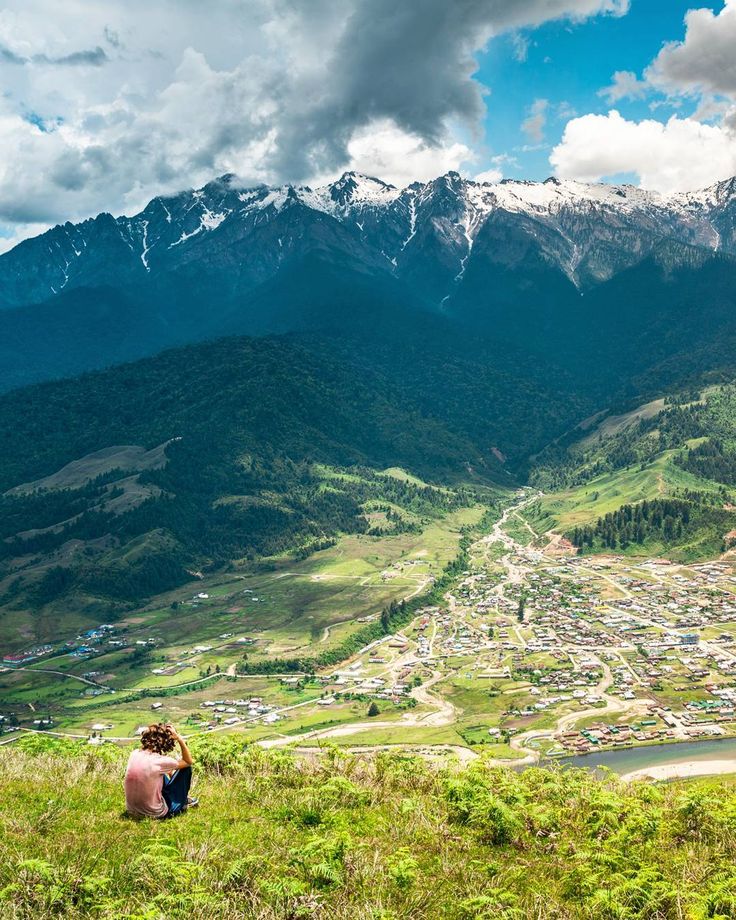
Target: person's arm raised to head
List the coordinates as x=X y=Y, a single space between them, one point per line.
x=186 y=757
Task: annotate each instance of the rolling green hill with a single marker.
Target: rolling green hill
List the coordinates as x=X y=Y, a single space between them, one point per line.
x=121 y=484
x=655 y=479
x=353 y=839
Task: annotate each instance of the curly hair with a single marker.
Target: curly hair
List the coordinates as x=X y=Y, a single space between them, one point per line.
x=158 y=738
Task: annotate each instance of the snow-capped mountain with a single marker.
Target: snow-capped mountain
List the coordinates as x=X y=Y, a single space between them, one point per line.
x=426 y=234
x=552 y=268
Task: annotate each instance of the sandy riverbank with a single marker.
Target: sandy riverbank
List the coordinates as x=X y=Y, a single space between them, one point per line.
x=667 y=771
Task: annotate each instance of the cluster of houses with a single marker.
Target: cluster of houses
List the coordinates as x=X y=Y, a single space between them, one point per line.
x=657 y=627
x=235 y=712
x=601 y=734
x=92 y=641
x=646 y=729
x=352 y=681
x=185 y=657
x=6 y=725
x=18 y=659
x=82 y=646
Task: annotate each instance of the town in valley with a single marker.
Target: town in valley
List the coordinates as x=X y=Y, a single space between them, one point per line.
x=534 y=651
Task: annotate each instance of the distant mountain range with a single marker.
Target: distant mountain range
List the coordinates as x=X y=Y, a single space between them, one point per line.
x=589 y=232
x=457 y=329
x=510 y=260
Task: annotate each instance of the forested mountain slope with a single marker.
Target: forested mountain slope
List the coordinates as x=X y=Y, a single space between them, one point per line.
x=656 y=479
x=563 y=270
x=117 y=484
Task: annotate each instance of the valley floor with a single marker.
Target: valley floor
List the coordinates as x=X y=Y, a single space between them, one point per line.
x=532 y=653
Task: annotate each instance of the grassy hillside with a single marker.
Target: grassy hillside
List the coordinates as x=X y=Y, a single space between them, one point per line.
x=350 y=839
x=663 y=453
x=119 y=484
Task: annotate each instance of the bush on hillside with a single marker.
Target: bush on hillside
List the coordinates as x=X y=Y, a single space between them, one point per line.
x=339 y=837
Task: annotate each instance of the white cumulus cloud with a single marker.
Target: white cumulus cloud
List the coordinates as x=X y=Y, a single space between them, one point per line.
x=681 y=154
x=385 y=151
x=687 y=151
x=105 y=105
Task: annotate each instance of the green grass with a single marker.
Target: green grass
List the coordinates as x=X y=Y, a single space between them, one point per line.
x=640 y=450
x=303 y=608
x=661 y=478
x=584 y=504
x=348 y=838
x=614 y=424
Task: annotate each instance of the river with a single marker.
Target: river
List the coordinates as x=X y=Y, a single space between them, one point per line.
x=682 y=758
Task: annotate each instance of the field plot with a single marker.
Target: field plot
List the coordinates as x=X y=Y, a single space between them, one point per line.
x=168 y=659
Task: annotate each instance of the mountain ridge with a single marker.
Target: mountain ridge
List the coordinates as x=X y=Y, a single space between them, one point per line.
x=387 y=223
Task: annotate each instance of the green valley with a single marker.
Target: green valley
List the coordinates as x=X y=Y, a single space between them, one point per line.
x=475 y=617
x=368 y=460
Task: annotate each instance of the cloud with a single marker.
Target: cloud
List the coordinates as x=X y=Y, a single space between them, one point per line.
x=682 y=154
x=272 y=90
x=386 y=151
x=711 y=109
x=705 y=61
x=496 y=170
x=520 y=46
x=564 y=110
x=10 y=57
x=489 y=175
x=625 y=85
x=533 y=126
x=412 y=63
x=94 y=57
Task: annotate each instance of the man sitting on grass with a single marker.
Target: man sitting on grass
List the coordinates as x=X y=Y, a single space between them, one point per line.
x=157 y=784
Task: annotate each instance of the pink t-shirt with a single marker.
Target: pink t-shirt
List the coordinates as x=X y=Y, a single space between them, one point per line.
x=144 y=781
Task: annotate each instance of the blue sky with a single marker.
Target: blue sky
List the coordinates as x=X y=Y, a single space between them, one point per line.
x=105 y=105
x=568 y=64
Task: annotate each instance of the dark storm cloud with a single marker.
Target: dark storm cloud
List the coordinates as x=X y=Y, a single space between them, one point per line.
x=273 y=90
x=412 y=63
x=705 y=61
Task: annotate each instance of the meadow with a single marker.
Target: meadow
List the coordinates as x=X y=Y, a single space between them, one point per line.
x=346 y=838
x=193 y=635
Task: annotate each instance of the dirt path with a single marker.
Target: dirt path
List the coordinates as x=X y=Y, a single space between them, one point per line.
x=514 y=573
x=443 y=714
x=326 y=631
x=82 y=680
x=463 y=754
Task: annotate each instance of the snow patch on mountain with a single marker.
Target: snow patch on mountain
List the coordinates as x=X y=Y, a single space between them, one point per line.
x=588 y=231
